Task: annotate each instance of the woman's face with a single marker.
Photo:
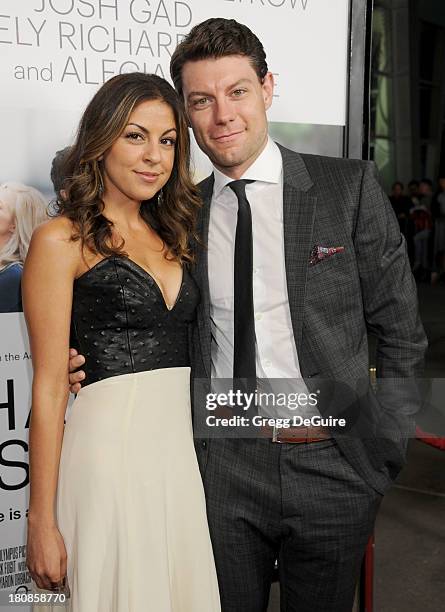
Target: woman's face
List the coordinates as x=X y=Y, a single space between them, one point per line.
x=140 y=161
x=7 y=225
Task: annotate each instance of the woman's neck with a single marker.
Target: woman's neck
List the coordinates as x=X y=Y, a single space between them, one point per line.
x=125 y=214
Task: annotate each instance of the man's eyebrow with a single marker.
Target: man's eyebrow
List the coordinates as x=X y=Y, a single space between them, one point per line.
x=197 y=93
x=141 y=127
x=231 y=86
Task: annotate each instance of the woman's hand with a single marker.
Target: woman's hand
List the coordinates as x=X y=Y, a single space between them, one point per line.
x=46 y=555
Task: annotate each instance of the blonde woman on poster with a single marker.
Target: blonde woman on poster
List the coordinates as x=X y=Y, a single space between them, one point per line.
x=22 y=208
x=117 y=504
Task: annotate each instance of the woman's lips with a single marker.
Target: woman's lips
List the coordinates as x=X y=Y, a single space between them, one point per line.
x=148 y=177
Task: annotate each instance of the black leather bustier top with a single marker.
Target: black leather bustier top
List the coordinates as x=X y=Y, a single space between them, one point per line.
x=121 y=324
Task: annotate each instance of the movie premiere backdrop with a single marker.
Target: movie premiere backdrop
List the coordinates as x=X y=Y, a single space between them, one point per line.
x=54 y=54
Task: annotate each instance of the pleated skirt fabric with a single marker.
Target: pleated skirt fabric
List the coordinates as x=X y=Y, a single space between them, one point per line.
x=130 y=501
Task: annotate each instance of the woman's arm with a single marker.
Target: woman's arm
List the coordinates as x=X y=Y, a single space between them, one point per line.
x=47 y=283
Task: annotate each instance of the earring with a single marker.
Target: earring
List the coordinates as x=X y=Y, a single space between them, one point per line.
x=160 y=198
x=101 y=182
x=98 y=175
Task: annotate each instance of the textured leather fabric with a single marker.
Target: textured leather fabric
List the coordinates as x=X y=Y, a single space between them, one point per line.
x=121 y=324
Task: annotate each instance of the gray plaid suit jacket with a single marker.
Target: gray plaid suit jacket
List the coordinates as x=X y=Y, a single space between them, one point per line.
x=334 y=304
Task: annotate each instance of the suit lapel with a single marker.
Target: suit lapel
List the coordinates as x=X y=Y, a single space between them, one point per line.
x=202 y=273
x=298 y=221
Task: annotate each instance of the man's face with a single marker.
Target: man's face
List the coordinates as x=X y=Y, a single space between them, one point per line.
x=397 y=190
x=226 y=105
x=425 y=188
x=413 y=189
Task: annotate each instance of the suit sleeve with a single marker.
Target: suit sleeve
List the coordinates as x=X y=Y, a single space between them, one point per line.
x=390 y=303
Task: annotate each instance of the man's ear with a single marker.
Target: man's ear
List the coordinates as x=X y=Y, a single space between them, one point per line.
x=267 y=86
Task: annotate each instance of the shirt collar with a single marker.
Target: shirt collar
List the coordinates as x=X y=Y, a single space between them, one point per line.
x=267 y=168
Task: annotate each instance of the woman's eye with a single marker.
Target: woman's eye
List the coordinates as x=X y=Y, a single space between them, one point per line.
x=134 y=136
x=168 y=141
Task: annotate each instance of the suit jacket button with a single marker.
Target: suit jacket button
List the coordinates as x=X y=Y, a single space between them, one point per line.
x=204 y=444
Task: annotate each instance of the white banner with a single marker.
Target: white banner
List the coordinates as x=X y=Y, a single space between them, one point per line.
x=55 y=53
x=15 y=391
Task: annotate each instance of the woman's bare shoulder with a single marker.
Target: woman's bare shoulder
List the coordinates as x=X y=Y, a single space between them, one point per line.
x=56 y=229
x=53 y=239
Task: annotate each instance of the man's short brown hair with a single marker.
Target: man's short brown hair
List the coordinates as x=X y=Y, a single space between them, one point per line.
x=214 y=38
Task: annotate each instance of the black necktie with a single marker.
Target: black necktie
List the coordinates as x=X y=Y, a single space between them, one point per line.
x=244 y=365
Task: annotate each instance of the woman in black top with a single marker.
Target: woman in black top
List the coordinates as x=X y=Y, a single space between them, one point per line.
x=117 y=505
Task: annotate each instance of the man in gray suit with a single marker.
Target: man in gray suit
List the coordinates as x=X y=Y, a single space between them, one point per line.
x=303 y=257
x=328 y=265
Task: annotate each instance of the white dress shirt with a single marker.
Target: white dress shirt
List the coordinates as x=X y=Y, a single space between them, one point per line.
x=276 y=353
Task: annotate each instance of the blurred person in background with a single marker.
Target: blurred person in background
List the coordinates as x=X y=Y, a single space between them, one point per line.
x=413 y=196
x=401 y=205
x=22 y=208
x=58 y=170
x=438 y=275
x=413 y=191
x=421 y=218
x=426 y=192
x=422 y=224
x=426 y=195
x=438 y=214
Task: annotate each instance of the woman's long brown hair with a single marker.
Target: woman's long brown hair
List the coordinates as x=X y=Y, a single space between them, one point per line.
x=172 y=216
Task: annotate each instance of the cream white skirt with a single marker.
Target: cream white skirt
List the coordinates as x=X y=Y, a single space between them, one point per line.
x=130 y=500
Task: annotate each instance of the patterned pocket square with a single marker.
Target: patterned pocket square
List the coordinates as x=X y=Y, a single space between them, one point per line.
x=319 y=253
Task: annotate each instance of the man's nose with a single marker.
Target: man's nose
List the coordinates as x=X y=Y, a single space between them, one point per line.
x=224 y=111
